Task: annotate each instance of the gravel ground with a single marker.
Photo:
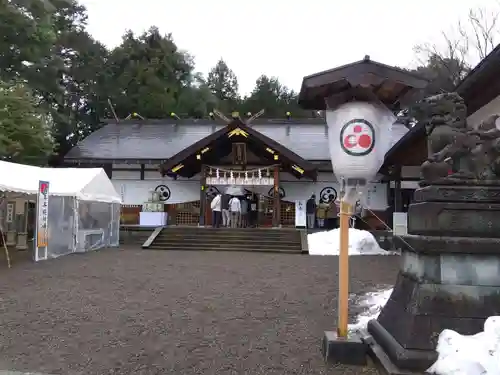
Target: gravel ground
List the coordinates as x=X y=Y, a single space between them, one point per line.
x=160 y=312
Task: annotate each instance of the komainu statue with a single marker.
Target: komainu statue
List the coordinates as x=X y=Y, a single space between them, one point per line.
x=457 y=150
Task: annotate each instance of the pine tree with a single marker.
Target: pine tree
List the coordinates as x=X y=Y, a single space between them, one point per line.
x=223 y=84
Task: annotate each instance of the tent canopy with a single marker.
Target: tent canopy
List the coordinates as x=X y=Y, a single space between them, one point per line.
x=89 y=184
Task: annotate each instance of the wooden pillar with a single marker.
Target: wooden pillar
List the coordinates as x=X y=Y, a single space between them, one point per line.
x=203 y=195
x=390 y=204
x=398 y=194
x=142 y=172
x=398 y=197
x=276 y=198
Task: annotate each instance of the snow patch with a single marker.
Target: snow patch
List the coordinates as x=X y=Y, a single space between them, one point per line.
x=361 y=242
x=477 y=354
x=373 y=303
x=458 y=354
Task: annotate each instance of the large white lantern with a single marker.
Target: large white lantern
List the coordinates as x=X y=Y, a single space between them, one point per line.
x=357 y=98
x=359 y=136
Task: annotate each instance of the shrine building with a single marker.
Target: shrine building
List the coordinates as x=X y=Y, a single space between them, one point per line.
x=188 y=161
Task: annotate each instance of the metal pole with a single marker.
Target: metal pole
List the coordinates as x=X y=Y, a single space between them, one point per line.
x=343 y=270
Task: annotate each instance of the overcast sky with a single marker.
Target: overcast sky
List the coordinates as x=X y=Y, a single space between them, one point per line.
x=284 y=38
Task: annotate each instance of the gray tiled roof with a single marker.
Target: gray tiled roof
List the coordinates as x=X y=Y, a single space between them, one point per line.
x=162 y=140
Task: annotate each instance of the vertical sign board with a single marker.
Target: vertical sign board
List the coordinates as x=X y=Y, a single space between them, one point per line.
x=42 y=219
x=300 y=214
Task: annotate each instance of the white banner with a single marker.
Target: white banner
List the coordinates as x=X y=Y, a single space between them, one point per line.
x=240 y=181
x=42 y=221
x=300 y=213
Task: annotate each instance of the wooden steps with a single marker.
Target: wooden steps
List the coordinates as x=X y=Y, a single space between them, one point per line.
x=227 y=239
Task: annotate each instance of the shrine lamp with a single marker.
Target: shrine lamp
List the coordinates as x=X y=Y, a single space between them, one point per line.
x=359 y=100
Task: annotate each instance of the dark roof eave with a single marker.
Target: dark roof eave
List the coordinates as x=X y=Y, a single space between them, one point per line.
x=489 y=62
x=76 y=160
x=475 y=74
x=189 y=151
x=417 y=131
x=353 y=76
x=420 y=81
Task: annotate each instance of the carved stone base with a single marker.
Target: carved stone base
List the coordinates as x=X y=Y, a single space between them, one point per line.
x=444 y=282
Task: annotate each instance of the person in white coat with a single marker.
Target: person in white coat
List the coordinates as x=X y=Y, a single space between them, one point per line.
x=235 y=208
x=215 y=205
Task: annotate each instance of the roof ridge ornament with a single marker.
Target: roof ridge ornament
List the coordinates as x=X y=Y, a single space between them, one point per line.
x=221 y=115
x=258 y=114
x=117 y=119
x=134 y=114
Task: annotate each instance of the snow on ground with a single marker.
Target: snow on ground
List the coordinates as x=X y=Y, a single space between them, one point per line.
x=373 y=303
x=361 y=242
x=477 y=354
x=458 y=354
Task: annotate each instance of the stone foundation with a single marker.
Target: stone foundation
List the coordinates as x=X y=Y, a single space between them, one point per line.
x=449 y=276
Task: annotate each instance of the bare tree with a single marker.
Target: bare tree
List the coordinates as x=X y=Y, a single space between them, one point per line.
x=481 y=31
x=452 y=58
x=447 y=63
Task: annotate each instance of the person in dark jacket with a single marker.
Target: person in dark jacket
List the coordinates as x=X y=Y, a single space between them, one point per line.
x=332 y=215
x=311 y=211
x=252 y=212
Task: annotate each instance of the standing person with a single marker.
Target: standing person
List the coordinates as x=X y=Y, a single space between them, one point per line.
x=215 y=205
x=332 y=216
x=358 y=208
x=244 y=213
x=252 y=216
x=235 y=209
x=226 y=218
x=321 y=213
x=311 y=211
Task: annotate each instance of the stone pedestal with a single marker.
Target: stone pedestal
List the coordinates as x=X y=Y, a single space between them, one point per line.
x=22 y=241
x=11 y=238
x=21 y=224
x=449 y=279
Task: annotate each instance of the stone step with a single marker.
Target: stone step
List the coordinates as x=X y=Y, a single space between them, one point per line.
x=228 y=235
x=193 y=247
x=207 y=233
x=231 y=240
x=228 y=239
x=245 y=244
x=134 y=237
x=236 y=230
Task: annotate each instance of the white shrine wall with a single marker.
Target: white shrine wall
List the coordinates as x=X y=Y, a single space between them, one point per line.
x=492 y=108
x=135 y=191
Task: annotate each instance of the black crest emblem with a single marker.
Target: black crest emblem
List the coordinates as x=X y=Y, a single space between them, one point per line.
x=164 y=192
x=328 y=194
x=270 y=193
x=211 y=192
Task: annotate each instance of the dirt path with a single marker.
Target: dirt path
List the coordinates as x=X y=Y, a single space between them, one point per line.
x=146 y=312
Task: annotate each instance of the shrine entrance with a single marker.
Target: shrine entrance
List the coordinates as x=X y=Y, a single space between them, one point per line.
x=238 y=156
x=252 y=186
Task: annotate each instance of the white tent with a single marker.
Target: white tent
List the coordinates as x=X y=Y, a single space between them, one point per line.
x=91 y=184
x=84 y=207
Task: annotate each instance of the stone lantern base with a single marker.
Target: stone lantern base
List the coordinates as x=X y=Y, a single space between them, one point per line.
x=449 y=277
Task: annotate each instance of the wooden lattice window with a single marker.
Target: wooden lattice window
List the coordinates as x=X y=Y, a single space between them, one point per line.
x=287 y=214
x=187 y=213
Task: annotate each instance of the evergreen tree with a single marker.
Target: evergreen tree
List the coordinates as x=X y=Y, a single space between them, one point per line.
x=25 y=135
x=223 y=84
